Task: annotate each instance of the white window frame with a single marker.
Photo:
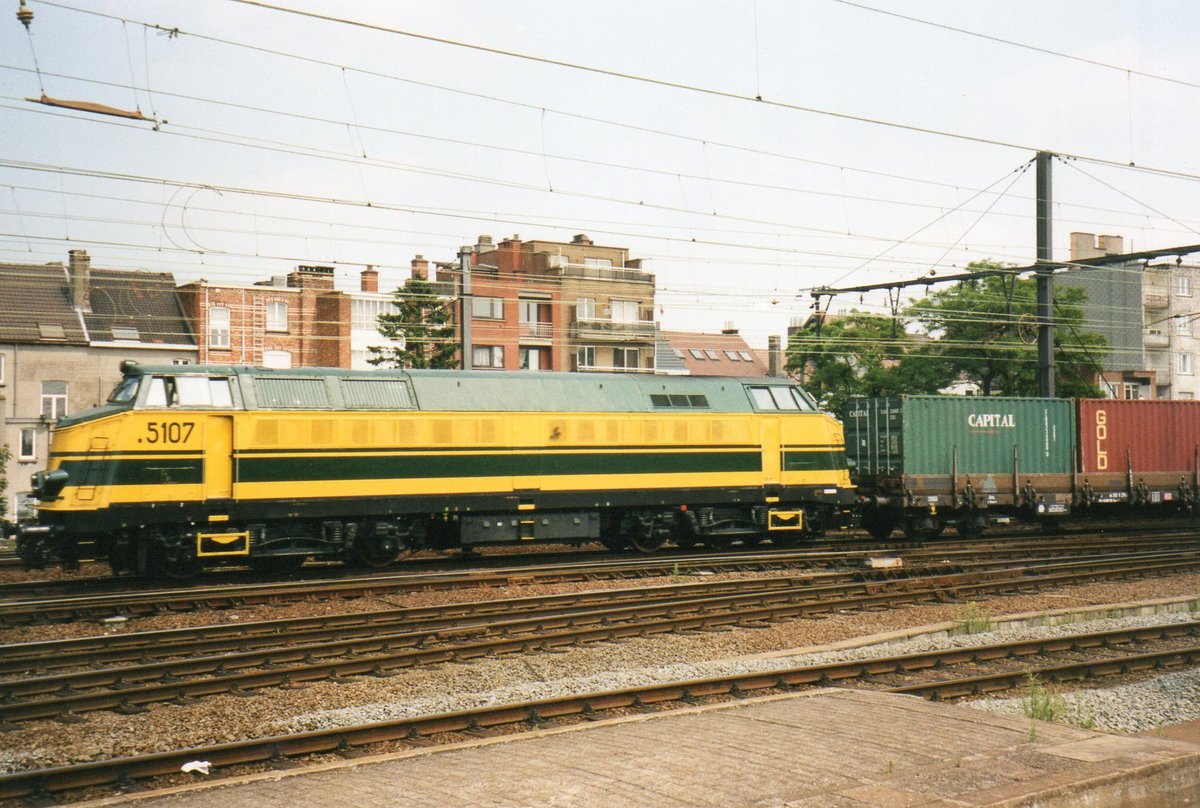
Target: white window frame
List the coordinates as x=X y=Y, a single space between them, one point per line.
x=277 y=320
x=1185 y=364
x=23 y=453
x=487 y=308
x=3 y=366
x=1183 y=285
x=585 y=308
x=624 y=311
x=598 y=263
x=54 y=404
x=585 y=356
x=220 y=329
x=621 y=358
x=525 y=357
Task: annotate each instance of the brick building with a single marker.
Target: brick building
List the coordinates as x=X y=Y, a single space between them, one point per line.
x=295 y=321
x=547 y=305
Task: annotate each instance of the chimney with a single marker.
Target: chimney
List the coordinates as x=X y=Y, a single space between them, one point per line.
x=420 y=268
x=368 y=279
x=1112 y=245
x=311 y=278
x=1086 y=245
x=730 y=328
x=485 y=244
x=80 y=273
x=774 y=356
x=581 y=238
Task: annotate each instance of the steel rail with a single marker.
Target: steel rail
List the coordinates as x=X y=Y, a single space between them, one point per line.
x=165 y=601
x=56 y=780
x=586 y=627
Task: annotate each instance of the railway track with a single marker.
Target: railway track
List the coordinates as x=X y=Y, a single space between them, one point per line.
x=1091 y=655
x=18 y=610
x=194 y=663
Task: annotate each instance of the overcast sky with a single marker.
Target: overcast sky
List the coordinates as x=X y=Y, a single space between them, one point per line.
x=881 y=148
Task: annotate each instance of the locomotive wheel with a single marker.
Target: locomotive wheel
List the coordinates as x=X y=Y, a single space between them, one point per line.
x=718 y=541
x=376 y=551
x=648 y=536
x=277 y=565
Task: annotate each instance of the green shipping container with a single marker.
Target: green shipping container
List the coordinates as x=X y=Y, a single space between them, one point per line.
x=919 y=435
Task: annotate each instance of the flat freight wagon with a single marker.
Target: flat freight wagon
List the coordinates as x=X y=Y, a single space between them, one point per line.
x=1138 y=452
x=923 y=462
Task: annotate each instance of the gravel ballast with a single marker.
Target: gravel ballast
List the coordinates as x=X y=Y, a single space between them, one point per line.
x=541 y=675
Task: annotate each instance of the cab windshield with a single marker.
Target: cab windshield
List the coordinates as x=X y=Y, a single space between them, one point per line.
x=125 y=391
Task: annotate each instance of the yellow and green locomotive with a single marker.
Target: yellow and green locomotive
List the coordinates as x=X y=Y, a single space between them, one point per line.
x=199 y=464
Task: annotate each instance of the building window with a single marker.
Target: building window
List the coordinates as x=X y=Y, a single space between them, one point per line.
x=1131 y=391
x=218 y=327
x=277 y=316
x=585 y=356
x=54 y=399
x=2 y=368
x=28 y=448
x=487 y=356
x=487 y=308
x=1186 y=396
x=597 y=262
x=530 y=358
x=1183 y=286
x=1185 y=364
x=277 y=359
x=624 y=311
x=711 y=354
x=364 y=313
x=585 y=308
x=733 y=356
x=181 y=361
x=625 y=358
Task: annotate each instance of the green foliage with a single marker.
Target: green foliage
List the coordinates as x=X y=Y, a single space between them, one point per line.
x=972 y=620
x=858 y=355
x=981 y=330
x=5 y=456
x=1041 y=703
x=423 y=326
x=985 y=330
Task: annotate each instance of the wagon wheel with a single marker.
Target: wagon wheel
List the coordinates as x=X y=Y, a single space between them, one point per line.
x=879 y=524
x=970 y=526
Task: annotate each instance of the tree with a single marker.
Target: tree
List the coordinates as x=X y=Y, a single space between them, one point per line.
x=5 y=456
x=859 y=354
x=421 y=328
x=985 y=330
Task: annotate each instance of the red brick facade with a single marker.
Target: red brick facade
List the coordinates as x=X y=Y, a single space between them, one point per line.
x=314 y=333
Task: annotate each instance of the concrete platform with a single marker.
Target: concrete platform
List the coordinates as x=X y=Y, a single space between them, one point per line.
x=829 y=748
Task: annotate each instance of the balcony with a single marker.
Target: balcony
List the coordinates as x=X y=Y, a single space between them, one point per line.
x=583 y=368
x=604 y=273
x=536 y=333
x=591 y=330
x=1157 y=300
x=1155 y=339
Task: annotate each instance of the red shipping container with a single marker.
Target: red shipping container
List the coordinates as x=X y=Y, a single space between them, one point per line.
x=1159 y=436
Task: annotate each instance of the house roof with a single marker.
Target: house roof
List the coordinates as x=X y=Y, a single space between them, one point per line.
x=35 y=306
x=138 y=306
x=127 y=306
x=724 y=354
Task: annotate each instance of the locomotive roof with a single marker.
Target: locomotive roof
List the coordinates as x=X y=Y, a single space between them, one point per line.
x=481 y=390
